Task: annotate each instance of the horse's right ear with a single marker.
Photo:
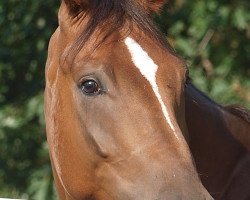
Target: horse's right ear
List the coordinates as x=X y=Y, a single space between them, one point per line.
x=75 y=5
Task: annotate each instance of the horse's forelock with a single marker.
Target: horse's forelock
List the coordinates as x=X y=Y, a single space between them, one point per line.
x=148 y=5
x=152 y=5
x=110 y=16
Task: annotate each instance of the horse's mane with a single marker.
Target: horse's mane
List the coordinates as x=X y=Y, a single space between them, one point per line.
x=239 y=111
x=236 y=110
x=112 y=15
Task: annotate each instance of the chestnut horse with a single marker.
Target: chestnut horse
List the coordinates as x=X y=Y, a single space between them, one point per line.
x=219 y=139
x=115 y=131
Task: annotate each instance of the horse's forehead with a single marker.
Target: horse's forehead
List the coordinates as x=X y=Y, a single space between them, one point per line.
x=148 y=69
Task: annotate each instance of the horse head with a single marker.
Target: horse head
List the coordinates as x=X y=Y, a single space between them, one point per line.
x=114 y=105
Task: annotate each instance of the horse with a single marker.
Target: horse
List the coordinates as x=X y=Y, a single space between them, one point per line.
x=115 y=106
x=219 y=139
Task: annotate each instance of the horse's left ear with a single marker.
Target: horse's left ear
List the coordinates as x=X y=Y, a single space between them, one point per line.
x=152 y=5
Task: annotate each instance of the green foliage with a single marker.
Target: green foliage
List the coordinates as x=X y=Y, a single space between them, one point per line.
x=25 y=29
x=213 y=36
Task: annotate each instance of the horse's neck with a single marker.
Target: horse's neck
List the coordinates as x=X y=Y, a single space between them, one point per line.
x=214 y=139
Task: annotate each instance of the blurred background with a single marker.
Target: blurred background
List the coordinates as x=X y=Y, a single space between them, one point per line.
x=213 y=36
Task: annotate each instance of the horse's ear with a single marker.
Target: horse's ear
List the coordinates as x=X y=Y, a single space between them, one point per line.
x=152 y=5
x=75 y=5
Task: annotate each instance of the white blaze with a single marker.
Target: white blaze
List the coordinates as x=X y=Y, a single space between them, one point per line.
x=9 y=199
x=148 y=69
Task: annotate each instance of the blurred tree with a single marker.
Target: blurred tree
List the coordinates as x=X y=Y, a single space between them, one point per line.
x=25 y=29
x=213 y=36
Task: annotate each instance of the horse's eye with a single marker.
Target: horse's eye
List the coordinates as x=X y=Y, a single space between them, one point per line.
x=90 y=87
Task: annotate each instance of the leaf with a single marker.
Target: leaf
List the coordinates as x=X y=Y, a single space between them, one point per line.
x=241 y=18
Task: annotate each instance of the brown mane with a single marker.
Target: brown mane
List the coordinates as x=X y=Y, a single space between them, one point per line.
x=236 y=110
x=241 y=112
x=111 y=16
